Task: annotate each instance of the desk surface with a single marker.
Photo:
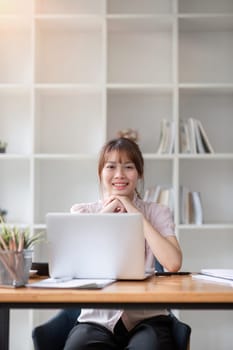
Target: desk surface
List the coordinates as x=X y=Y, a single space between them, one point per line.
x=172 y=291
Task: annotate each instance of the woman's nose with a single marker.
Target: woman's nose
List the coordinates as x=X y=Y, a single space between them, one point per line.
x=119 y=171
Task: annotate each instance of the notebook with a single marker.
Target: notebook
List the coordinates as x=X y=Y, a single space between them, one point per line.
x=215 y=276
x=219 y=273
x=96 y=246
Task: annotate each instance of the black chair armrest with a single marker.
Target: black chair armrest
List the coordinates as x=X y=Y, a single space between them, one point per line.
x=52 y=335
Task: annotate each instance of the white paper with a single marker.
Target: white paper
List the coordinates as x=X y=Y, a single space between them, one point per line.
x=212 y=279
x=71 y=283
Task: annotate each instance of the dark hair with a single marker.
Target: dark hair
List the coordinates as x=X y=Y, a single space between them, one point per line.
x=125 y=146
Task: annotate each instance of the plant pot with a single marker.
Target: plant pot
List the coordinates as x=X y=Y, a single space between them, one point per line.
x=15 y=267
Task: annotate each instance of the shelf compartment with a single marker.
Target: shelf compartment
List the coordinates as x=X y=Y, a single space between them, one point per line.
x=15 y=42
x=214 y=108
x=141 y=110
x=206 y=47
x=15 y=7
x=213 y=179
x=61 y=183
x=139 y=7
x=69 y=51
x=133 y=41
x=205 y=254
x=205 y=6
x=158 y=172
x=69 y=6
x=68 y=121
x=15 y=120
x=15 y=190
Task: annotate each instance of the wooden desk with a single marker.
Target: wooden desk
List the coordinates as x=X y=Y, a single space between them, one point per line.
x=179 y=292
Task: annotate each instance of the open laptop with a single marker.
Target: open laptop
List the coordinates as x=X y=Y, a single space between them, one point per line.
x=96 y=246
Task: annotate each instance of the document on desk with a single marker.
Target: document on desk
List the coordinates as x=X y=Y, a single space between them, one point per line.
x=67 y=283
x=216 y=275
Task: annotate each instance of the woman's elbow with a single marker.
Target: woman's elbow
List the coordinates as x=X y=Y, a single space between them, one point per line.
x=175 y=264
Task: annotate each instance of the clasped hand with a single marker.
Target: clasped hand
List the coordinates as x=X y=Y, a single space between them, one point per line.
x=118 y=204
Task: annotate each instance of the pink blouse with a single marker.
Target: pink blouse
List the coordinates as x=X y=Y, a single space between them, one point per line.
x=161 y=219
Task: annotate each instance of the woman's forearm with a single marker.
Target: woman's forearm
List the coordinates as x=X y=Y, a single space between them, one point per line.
x=165 y=249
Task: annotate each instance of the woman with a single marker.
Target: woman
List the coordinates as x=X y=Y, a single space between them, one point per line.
x=120 y=168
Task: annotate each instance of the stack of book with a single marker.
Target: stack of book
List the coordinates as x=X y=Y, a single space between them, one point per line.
x=191 y=210
x=193 y=138
x=160 y=194
x=167 y=137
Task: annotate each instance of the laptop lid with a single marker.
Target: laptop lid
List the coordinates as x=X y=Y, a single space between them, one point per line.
x=96 y=245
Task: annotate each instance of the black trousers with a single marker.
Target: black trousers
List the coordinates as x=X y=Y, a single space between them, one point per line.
x=151 y=334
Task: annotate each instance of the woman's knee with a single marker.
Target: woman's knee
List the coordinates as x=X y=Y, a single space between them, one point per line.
x=149 y=336
x=89 y=336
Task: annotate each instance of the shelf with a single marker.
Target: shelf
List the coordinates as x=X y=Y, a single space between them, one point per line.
x=66 y=156
x=144 y=88
x=207 y=227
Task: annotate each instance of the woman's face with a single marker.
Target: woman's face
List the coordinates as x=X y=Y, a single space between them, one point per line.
x=119 y=175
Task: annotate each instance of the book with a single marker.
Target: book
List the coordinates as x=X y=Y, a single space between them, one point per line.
x=166 y=197
x=167 y=137
x=185 y=146
x=193 y=137
x=191 y=211
x=197 y=208
x=204 y=138
x=191 y=133
x=160 y=194
x=151 y=194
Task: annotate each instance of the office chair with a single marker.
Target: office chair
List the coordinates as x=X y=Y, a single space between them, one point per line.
x=52 y=334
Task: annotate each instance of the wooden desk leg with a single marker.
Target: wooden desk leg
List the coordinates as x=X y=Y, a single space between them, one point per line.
x=4 y=329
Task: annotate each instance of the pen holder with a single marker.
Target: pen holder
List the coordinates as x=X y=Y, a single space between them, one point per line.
x=15 y=267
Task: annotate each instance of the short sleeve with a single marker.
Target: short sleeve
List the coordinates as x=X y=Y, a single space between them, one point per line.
x=86 y=207
x=79 y=208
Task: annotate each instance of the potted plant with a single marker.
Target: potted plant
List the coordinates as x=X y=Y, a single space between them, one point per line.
x=3 y=213
x=3 y=146
x=16 y=254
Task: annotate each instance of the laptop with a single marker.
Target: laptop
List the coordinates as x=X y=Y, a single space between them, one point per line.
x=96 y=246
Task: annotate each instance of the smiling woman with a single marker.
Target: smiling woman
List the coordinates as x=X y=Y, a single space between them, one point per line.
x=121 y=167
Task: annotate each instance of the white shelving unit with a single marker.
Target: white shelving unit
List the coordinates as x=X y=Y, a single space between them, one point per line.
x=74 y=72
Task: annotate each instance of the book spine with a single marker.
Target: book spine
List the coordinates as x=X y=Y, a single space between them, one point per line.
x=191 y=211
